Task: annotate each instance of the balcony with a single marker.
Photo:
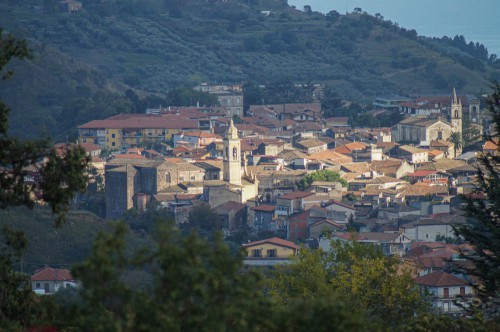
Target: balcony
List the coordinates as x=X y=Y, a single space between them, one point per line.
x=277 y=257
x=267 y=261
x=131 y=134
x=87 y=134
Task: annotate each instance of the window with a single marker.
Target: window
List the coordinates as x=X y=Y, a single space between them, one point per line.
x=271 y=253
x=112 y=135
x=37 y=285
x=113 y=144
x=446 y=292
x=256 y=253
x=462 y=291
x=181 y=178
x=192 y=178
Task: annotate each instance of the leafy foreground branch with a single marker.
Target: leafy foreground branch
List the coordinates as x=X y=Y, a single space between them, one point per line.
x=61 y=176
x=483 y=233
x=190 y=284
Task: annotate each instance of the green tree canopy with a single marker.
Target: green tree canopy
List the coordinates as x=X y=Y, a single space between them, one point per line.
x=367 y=282
x=324 y=175
x=483 y=230
x=205 y=218
x=60 y=178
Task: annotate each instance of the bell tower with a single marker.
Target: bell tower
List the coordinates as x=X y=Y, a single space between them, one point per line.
x=232 y=156
x=456 y=114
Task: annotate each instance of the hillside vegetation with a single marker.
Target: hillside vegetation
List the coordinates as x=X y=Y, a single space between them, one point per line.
x=59 y=247
x=84 y=62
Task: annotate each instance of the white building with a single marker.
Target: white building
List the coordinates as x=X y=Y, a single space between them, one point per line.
x=48 y=280
x=449 y=293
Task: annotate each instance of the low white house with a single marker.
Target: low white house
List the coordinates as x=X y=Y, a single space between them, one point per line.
x=449 y=293
x=339 y=207
x=48 y=280
x=431 y=230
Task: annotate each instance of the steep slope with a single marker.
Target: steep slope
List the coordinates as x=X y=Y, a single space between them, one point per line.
x=153 y=46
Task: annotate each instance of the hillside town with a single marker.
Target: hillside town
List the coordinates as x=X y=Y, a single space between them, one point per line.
x=266 y=173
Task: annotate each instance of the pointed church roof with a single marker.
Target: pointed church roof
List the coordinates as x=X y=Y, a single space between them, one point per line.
x=232 y=132
x=456 y=101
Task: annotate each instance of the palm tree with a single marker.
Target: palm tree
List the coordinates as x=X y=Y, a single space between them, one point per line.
x=457 y=141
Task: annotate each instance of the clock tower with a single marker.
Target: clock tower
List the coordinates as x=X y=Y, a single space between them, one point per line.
x=232 y=156
x=456 y=114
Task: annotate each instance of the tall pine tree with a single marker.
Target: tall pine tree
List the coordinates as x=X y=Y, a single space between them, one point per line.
x=483 y=230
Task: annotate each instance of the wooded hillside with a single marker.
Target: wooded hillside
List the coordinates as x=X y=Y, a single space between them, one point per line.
x=85 y=61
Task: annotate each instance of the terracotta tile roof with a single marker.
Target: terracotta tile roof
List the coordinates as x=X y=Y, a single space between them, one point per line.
x=251 y=128
x=297 y=194
x=351 y=176
x=440 y=279
x=422 y=121
x=311 y=143
x=289 y=122
x=89 y=147
x=291 y=108
x=273 y=240
x=356 y=167
x=432 y=245
x=340 y=204
x=49 y=274
x=441 y=143
x=128 y=156
x=418 y=190
x=412 y=149
x=386 y=144
x=308 y=127
x=331 y=155
x=490 y=145
x=265 y=208
x=174 y=160
x=442 y=164
x=435 y=153
x=443 y=253
x=141 y=121
x=292 y=154
x=421 y=173
x=384 y=179
x=199 y=134
x=327 y=221
x=230 y=206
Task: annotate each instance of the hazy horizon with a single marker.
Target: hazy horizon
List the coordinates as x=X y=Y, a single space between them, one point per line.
x=477 y=21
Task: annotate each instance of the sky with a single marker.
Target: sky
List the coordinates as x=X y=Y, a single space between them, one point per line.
x=477 y=21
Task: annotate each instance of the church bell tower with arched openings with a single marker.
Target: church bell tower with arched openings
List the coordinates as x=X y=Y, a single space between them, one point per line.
x=232 y=156
x=456 y=114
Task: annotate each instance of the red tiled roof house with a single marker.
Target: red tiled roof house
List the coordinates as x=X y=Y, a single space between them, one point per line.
x=48 y=280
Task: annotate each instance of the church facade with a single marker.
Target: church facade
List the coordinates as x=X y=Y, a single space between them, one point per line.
x=421 y=130
x=238 y=184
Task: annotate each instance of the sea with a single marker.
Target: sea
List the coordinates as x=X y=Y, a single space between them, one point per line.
x=476 y=20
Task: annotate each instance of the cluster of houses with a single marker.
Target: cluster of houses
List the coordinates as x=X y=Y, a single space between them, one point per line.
x=402 y=192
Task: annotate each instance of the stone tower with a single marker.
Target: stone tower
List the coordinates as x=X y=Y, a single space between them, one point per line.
x=456 y=114
x=232 y=156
